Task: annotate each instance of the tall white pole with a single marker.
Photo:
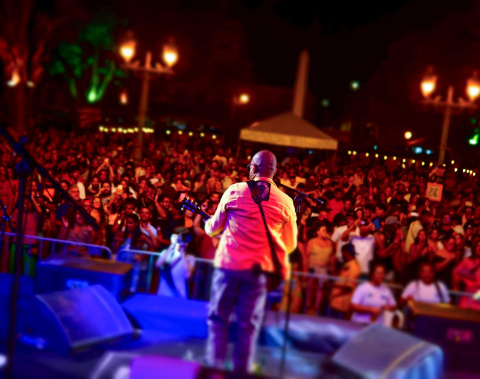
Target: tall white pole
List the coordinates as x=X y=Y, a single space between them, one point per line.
x=300 y=91
x=446 y=126
x=142 y=110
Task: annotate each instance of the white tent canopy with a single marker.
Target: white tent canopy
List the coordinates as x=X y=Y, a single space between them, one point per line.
x=286 y=129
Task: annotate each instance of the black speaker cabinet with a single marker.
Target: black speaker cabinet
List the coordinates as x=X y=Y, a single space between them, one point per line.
x=381 y=352
x=60 y=273
x=75 y=320
x=455 y=329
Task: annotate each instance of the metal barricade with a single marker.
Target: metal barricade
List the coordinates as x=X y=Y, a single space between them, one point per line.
x=142 y=271
x=45 y=246
x=200 y=281
x=144 y=276
x=456 y=295
x=395 y=288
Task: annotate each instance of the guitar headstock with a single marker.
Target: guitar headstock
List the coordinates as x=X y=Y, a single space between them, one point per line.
x=190 y=205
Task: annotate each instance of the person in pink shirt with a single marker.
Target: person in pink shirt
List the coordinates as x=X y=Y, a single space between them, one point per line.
x=243 y=259
x=467 y=277
x=335 y=204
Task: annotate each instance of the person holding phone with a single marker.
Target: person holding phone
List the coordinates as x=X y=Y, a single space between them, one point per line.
x=390 y=248
x=105 y=171
x=364 y=242
x=176 y=265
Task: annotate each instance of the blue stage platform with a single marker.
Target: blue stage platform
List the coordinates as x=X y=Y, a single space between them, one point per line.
x=188 y=319
x=176 y=328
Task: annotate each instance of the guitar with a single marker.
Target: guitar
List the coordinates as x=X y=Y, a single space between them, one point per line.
x=192 y=206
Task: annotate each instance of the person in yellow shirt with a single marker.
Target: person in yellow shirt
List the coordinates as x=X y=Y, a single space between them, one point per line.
x=343 y=288
x=320 y=257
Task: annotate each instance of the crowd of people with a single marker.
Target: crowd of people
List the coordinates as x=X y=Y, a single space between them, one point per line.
x=376 y=222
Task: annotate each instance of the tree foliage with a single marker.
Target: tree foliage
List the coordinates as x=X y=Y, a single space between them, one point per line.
x=88 y=63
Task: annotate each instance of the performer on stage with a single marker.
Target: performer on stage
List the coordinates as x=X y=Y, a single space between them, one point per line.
x=243 y=257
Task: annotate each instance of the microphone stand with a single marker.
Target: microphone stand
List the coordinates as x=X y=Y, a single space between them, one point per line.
x=300 y=198
x=5 y=219
x=298 y=202
x=24 y=169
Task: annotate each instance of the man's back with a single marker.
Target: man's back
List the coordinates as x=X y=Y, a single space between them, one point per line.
x=244 y=242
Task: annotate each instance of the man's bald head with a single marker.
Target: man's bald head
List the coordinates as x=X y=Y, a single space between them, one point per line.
x=264 y=163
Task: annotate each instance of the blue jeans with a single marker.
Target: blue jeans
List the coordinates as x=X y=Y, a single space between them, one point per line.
x=245 y=292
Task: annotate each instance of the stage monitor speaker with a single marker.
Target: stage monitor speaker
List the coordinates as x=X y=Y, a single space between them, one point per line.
x=172 y=315
x=74 y=320
x=59 y=273
x=382 y=352
x=24 y=303
x=455 y=329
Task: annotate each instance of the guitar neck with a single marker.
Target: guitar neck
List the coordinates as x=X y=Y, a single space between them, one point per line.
x=204 y=215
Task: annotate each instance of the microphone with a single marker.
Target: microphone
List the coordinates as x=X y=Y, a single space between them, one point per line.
x=319 y=202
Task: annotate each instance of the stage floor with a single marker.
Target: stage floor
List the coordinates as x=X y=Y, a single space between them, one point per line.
x=114 y=362
x=177 y=329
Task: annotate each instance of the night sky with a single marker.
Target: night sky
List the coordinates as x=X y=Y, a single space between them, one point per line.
x=346 y=40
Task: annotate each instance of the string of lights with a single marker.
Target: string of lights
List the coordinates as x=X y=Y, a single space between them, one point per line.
x=409 y=161
x=127 y=130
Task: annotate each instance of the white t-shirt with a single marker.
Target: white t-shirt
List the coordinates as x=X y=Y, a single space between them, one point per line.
x=426 y=293
x=371 y=296
x=365 y=247
x=152 y=228
x=139 y=171
x=336 y=237
x=81 y=189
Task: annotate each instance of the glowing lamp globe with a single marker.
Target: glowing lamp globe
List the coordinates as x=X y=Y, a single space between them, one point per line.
x=429 y=83
x=123 y=97
x=15 y=79
x=244 y=98
x=127 y=50
x=473 y=87
x=170 y=54
x=408 y=135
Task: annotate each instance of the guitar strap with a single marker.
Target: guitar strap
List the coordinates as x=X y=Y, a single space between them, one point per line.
x=257 y=198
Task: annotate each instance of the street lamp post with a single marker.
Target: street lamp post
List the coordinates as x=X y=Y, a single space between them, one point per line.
x=428 y=87
x=232 y=135
x=170 y=57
